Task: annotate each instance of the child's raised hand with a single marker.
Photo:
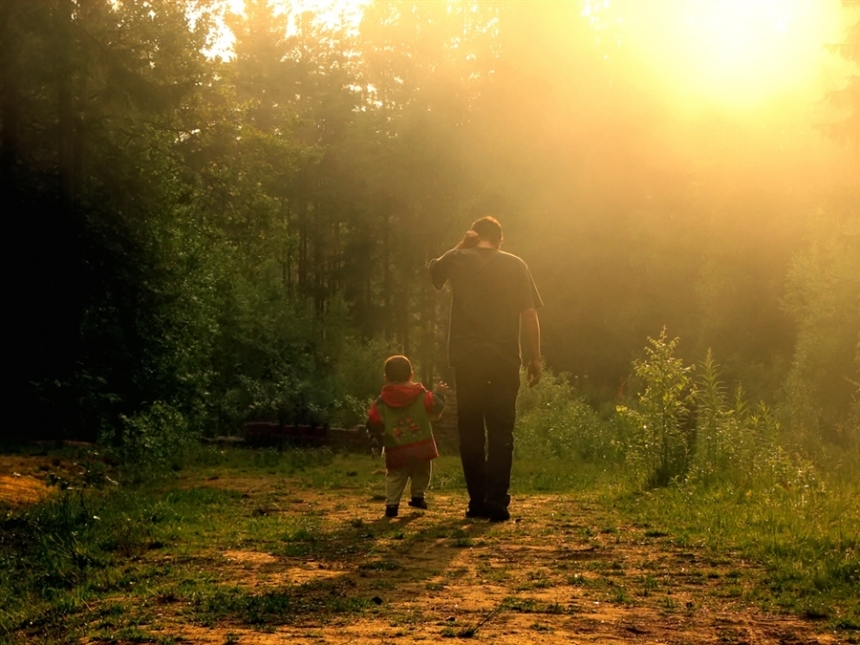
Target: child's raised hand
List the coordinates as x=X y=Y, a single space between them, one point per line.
x=441 y=387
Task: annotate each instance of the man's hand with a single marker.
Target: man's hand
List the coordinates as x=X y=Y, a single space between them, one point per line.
x=531 y=332
x=533 y=369
x=469 y=241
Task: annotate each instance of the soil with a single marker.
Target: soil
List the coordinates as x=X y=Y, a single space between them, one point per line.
x=24 y=479
x=561 y=571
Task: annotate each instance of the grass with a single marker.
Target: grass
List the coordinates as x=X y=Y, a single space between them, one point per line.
x=107 y=561
x=275 y=607
x=807 y=537
x=808 y=544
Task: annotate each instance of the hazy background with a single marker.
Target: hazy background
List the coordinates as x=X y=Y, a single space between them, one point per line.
x=223 y=211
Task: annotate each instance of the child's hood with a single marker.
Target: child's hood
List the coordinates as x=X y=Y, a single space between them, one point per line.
x=399 y=395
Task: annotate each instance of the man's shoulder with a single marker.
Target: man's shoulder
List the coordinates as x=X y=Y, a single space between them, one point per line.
x=481 y=254
x=512 y=262
x=459 y=258
x=510 y=257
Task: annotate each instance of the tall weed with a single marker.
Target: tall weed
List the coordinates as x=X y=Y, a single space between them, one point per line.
x=740 y=446
x=661 y=440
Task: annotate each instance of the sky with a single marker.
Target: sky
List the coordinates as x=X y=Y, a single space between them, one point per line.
x=737 y=54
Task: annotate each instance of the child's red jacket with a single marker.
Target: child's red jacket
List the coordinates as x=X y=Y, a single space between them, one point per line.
x=401 y=415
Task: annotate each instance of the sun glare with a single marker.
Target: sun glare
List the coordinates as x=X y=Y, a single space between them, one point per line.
x=331 y=14
x=736 y=53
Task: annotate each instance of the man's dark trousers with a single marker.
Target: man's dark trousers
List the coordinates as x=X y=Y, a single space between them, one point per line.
x=487 y=398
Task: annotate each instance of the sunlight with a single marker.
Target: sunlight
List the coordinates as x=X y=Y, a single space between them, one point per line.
x=736 y=53
x=330 y=14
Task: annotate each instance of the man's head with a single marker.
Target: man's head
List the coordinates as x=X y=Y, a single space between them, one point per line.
x=398 y=369
x=488 y=230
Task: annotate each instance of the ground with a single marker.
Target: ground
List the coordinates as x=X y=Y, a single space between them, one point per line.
x=23 y=478
x=562 y=571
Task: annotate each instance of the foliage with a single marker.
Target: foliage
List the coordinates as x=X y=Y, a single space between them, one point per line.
x=155 y=439
x=823 y=298
x=847 y=99
x=661 y=439
x=555 y=422
x=245 y=237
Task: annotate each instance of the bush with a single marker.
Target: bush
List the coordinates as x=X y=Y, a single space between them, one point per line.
x=358 y=379
x=555 y=422
x=156 y=438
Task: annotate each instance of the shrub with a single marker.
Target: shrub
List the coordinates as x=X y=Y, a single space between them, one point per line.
x=660 y=444
x=155 y=438
x=555 y=422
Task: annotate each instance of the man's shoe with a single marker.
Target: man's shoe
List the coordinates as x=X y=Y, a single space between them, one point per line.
x=498 y=514
x=418 y=502
x=391 y=510
x=477 y=511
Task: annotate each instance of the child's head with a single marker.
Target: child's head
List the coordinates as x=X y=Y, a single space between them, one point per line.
x=398 y=369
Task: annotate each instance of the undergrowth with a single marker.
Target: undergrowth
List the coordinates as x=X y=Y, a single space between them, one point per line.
x=710 y=469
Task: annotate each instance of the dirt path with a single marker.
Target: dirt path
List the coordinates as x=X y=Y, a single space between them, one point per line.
x=562 y=571
x=22 y=478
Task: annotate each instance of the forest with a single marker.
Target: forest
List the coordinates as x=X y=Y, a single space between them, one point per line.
x=222 y=215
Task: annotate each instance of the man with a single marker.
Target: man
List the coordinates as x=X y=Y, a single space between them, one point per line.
x=493 y=297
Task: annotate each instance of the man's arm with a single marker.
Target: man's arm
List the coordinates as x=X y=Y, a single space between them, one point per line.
x=438 y=274
x=531 y=330
x=469 y=241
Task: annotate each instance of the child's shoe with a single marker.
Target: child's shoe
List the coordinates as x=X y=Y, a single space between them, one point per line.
x=391 y=510
x=418 y=502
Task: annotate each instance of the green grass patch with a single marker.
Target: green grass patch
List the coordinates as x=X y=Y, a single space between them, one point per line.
x=317 y=602
x=805 y=541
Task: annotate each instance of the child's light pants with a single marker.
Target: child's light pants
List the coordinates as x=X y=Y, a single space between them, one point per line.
x=395 y=481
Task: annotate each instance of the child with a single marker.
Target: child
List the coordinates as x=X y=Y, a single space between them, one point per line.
x=401 y=417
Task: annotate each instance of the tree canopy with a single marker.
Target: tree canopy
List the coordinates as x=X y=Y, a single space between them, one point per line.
x=245 y=236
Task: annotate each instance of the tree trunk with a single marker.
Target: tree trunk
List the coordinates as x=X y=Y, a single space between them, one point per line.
x=303 y=246
x=319 y=261
x=428 y=328
x=9 y=97
x=65 y=109
x=387 y=299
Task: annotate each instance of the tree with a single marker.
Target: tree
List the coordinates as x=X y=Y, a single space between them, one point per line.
x=823 y=298
x=96 y=101
x=848 y=98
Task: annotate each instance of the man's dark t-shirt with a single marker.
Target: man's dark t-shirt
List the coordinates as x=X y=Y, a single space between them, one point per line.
x=490 y=290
